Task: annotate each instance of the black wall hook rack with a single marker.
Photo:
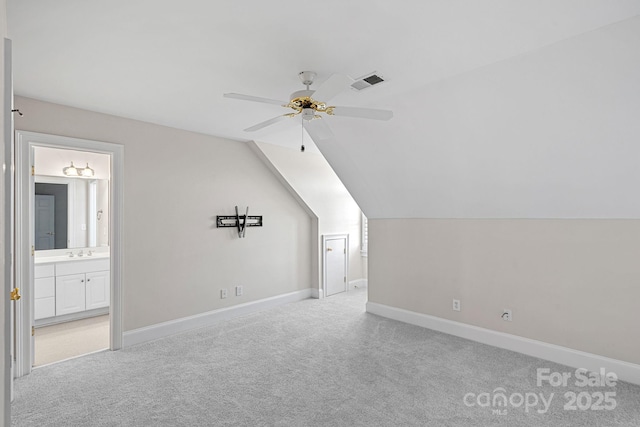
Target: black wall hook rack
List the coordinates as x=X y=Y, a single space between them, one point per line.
x=239 y=221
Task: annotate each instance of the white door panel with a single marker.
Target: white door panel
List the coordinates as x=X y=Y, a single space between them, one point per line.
x=335 y=265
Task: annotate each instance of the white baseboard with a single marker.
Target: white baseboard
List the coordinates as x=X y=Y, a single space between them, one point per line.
x=317 y=293
x=625 y=371
x=359 y=283
x=161 y=330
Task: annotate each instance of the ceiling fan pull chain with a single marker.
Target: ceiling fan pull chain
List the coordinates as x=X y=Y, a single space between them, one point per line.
x=302 y=134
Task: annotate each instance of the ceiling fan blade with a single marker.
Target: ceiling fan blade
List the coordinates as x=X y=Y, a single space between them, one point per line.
x=318 y=130
x=331 y=87
x=254 y=98
x=266 y=123
x=363 y=113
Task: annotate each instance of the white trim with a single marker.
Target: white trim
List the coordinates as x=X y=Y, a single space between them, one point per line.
x=359 y=283
x=317 y=293
x=25 y=143
x=625 y=371
x=165 y=329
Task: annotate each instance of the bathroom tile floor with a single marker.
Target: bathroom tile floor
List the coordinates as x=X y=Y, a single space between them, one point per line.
x=65 y=340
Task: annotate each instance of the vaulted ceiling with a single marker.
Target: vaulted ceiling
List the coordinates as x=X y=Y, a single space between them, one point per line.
x=522 y=109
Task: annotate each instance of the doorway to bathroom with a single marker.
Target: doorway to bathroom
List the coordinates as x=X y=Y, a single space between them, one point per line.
x=71 y=239
x=68 y=251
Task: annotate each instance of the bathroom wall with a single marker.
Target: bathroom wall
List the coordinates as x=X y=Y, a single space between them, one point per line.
x=176 y=182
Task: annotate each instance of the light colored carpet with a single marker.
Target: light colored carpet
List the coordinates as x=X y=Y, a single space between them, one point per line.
x=313 y=363
x=65 y=340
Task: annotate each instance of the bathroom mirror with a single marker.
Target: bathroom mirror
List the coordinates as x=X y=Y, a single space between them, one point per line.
x=71 y=212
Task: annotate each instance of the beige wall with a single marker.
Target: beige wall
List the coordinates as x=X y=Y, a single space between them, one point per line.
x=572 y=283
x=176 y=182
x=319 y=187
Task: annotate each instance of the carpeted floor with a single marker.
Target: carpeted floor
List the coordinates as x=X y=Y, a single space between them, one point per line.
x=313 y=363
x=70 y=339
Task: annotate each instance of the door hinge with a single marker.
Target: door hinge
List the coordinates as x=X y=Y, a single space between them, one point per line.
x=33 y=171
x=345 y=251
x=33 y=250
x=345 y=279
x=33 y=331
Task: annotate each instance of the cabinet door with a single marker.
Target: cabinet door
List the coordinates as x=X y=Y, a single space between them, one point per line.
x=98 y=290
x=44 y=307
x=44 y=297
x=70 y=294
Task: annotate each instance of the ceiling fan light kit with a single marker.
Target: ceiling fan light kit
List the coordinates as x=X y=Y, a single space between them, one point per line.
x=311 y=104
x=307 y=77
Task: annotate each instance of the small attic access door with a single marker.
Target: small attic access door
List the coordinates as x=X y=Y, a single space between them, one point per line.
x=334 y=260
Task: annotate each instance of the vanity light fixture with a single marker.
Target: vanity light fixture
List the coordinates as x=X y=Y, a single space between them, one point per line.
x=70 y=170
x=86 y=171
x=74 y=171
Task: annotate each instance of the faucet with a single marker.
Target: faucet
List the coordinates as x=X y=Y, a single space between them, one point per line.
x=89 y=253
x=80 y=253
x=70 y=254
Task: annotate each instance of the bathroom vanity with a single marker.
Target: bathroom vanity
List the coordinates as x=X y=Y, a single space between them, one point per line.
x=70 y=288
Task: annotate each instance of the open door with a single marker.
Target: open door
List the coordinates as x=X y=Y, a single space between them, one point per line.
x=7 y=179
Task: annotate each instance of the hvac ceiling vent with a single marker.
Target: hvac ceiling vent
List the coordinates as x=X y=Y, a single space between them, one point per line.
x=367 y=81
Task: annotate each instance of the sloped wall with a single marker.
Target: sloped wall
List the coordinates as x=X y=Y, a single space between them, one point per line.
x=316 y=183
x=548 y=134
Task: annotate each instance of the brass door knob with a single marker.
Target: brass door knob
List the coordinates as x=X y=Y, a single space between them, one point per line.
x=329 y=249
x=15 y=294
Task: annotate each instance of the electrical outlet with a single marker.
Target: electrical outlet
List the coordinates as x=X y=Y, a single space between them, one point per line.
x=506 y=315
x=223 y=293
x=238 y=291
x=456 y=305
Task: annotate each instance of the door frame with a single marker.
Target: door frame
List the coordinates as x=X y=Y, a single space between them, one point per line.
x=25 y=143
x=325 y=238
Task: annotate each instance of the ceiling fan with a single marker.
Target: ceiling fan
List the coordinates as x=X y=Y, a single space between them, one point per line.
x=311 y=105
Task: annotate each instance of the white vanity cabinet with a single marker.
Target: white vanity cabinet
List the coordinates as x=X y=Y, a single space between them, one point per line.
x=70 y=294
x=44 y=291
x=97 y=290
x=71 y=287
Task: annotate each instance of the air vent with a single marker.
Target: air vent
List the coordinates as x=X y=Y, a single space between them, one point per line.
x=367 y=81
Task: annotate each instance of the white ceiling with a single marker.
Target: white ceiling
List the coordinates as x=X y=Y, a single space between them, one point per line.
x=169 y=62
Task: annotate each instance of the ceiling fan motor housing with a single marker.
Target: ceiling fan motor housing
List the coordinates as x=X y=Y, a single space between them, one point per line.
x=301 y=94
